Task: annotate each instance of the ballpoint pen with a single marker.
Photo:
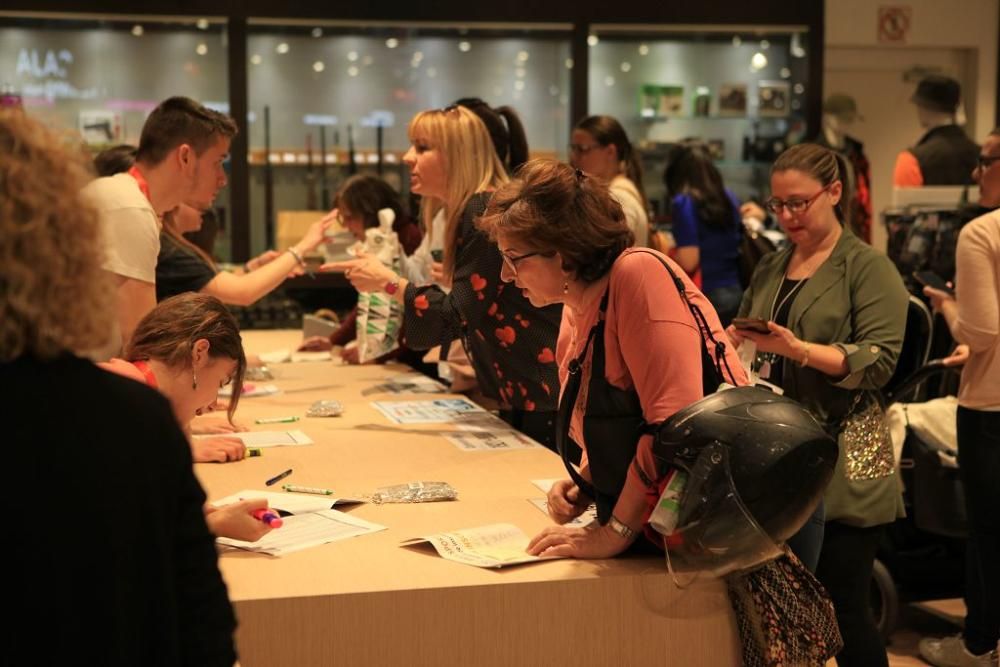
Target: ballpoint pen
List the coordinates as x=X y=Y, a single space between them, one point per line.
x=277 y=478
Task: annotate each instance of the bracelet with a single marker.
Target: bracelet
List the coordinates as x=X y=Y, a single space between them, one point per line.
x=805 y=355
x=620 y=528
x=297 y=256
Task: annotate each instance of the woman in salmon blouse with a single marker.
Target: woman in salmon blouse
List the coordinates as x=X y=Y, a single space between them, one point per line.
x=564 y=240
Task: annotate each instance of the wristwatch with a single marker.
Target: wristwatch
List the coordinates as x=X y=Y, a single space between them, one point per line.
x=392 y=287
x=620 y=528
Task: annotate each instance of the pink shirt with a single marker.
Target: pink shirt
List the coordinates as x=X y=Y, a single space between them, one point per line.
x=651 y=343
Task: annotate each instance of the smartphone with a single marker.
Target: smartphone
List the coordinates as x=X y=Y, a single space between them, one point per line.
x=931 y=279
x=437 y=255
x=752 y=324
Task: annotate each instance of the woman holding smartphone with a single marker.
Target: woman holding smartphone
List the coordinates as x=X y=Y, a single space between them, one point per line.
x=835 y=312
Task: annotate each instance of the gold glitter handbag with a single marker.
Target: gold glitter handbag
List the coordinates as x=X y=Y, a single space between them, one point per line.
x=867 y=443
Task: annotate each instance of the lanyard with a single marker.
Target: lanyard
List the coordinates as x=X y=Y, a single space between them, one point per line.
x=141 y=180
x=146 y=373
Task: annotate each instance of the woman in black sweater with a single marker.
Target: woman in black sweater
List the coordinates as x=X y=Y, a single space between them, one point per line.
x=112 y=563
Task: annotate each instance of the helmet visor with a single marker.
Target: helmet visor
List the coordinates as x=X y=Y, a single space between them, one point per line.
x=715 y=532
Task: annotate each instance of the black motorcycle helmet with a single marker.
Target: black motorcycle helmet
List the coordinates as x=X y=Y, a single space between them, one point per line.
x=757 y=465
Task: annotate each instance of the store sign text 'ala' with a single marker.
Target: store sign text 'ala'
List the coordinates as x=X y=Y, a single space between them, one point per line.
x=31 y=62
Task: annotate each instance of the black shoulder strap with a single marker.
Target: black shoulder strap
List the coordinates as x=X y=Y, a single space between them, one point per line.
x=708 y=338
x=711 y=372
x=568 y=402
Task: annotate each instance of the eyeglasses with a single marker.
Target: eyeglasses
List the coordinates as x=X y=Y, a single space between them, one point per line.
x=580 y=149
x=511 y=262
x=983 y=162
x=793 y=206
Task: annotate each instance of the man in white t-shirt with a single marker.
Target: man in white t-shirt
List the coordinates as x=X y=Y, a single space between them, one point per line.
x=179 y=160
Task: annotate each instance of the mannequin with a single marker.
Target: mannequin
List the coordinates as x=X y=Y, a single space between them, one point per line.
x=839 y=113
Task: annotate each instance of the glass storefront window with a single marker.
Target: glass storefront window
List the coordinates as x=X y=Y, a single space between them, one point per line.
x=102 y=76
x=743 y=93
x=349 y=79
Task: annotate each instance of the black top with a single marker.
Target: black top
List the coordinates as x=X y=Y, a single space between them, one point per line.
x=511 y=343
x=783 y=303
x=112 y=563
x=946 y=156
x=179 y=269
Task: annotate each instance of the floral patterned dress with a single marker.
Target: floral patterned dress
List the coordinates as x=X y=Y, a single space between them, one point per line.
x=510 y=342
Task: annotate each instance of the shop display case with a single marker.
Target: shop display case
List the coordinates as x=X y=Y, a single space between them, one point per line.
x=323 y=92
x=101 y=77
x=331 y=99
x=742 y=92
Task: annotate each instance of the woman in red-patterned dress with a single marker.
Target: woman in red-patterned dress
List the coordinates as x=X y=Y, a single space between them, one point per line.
x=454 y=167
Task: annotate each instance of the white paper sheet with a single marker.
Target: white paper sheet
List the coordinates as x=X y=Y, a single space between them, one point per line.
x=276 y=356
x=440 y=411
x=410 y=383
x=299 y=357
x=582 y=521
x=494 y=545
x=272 y=438
x=589 y=515
x=306 y=530
x=295 y=503
x=484 y=440
x=250 y=390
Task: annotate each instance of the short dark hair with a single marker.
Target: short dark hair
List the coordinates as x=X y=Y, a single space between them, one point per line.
x=181 y=120
x=365 y=195
x=114 y=160
x=551 y=207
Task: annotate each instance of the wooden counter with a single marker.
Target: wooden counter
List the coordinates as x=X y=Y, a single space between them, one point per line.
x=367 y=601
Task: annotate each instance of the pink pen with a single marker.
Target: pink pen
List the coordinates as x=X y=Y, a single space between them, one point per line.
x=268 y=517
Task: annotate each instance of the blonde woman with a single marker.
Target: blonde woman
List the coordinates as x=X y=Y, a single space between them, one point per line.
x=100 y=455
x=512 y=344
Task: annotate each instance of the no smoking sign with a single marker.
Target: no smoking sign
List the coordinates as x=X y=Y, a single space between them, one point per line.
x=894 y=23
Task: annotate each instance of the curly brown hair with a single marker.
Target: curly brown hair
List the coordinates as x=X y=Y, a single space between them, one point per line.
x=552 y=207
x=169 y=331
x=54 y=296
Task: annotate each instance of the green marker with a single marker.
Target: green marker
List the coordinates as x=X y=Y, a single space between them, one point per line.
x=277 y=420
x=307 y=489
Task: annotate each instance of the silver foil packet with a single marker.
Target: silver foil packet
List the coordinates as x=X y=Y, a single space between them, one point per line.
x=415 y=492
x=325 y=409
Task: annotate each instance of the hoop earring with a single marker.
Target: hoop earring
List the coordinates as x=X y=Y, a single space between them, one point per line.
x=194 y=380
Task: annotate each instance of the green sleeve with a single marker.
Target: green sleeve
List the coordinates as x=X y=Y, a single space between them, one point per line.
x=878 y=317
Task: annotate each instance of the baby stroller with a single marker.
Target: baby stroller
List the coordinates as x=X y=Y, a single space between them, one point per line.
x=922 y=555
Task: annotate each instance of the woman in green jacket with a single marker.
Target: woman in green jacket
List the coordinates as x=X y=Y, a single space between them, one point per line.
x=835 y=312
